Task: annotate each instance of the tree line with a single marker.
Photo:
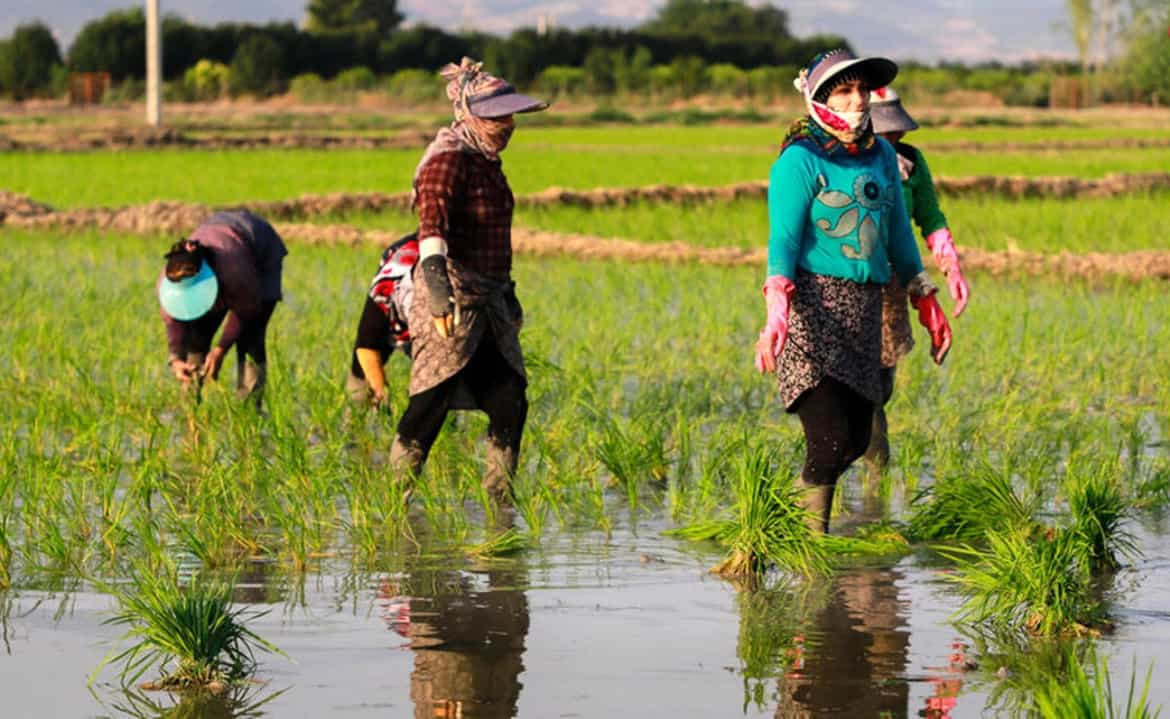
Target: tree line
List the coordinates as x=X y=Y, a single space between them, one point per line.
x=344 y=34
x=688 y=47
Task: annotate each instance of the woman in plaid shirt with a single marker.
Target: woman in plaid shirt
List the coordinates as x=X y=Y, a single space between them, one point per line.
x=465 y=318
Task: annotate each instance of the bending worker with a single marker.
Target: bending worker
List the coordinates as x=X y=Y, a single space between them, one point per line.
x=230 y=266
x=382 y=327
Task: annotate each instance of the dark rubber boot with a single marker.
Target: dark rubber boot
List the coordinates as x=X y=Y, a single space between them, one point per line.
x=251 y=377
x=817 y=500
x=406 y=462
x=877 y=455
x=501 y=467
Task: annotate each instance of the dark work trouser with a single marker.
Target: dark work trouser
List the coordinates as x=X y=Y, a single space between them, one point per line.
x=837 y=423
x=495 y=386
x=251 y=349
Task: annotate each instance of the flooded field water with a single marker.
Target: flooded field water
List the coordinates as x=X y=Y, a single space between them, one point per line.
x=585 y=626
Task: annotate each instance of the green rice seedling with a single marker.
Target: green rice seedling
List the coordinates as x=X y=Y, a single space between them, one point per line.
x=703 y=497
x=205 y=537
x=1099 y=512
x=504 y=544
x=50 y=548
x=1091 y=697
x=879 y=541
x=767 y=525
x=965 y=507
x=191 y=632
x=532 y=500
x=1023 y=581
x=683 y=446
x=1152 y=488
x=632 y=450
x=7 y=520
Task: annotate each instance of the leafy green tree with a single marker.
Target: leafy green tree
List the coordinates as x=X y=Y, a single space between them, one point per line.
x=207 y=80
x=689 y=75
x=27 y=60
x=559 y=80
x=355 y=79
x=377 y=16
x=599 y=71
x=519 y=59
x=421 y=47
x=1146 y=62
x=632 y=72
x=114 y=43
x=720 y=18
x=258 y=66
x=728 y=80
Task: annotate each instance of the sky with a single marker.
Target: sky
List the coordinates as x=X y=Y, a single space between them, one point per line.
x=927 y=30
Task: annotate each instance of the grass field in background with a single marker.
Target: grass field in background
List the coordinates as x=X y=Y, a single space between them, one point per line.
x=580 y=158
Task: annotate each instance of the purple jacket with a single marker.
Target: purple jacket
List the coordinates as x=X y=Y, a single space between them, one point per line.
x=247 y=255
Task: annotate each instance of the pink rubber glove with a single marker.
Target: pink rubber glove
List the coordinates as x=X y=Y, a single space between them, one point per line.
x=942 y=247
x=931 y=316
x=777 y=293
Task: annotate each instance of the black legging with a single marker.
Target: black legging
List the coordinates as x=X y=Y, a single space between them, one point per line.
x=837 y=423
x=498 y=390
x=251 y=342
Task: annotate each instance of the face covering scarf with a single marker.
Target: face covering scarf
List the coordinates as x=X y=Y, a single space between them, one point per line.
x=830 y=130
x=468 y=133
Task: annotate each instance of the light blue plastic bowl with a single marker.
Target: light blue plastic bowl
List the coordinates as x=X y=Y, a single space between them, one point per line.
x=191 y=297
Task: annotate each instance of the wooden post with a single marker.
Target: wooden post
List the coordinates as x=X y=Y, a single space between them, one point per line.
x=153 y=64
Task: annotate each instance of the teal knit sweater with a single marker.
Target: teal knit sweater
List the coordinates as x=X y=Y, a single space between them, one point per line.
x=841 y=215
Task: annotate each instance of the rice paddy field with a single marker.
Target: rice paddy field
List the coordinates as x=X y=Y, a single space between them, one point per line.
x=1014 y=559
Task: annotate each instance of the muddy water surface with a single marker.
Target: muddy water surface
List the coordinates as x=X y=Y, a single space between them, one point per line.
x=583 y=626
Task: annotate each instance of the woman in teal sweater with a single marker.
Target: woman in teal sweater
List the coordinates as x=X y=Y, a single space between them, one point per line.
x=838 y=227
x=891 y=121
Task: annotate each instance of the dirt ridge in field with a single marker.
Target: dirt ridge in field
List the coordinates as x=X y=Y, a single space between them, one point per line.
x=131 y=138
x=1008 y=187
x=147 y=138
x=178 y=218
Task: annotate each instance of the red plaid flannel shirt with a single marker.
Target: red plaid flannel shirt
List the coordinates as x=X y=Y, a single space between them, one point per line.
x=464 y=198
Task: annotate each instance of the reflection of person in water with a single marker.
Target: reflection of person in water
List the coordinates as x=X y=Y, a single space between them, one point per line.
x=854 y=658
x=468 y=641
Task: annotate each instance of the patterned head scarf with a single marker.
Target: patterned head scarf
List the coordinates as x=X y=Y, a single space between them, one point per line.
x=469 y=132
x=464 y=81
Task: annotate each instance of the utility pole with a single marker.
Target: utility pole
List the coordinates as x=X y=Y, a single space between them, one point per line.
x=153 y=65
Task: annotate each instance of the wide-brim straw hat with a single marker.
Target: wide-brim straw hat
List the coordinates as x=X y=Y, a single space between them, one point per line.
x=887 y=114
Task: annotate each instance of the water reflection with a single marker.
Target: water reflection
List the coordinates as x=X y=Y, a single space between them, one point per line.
x=1012 y=666
x=260 y=582
x=243 y=702
x=852 y=662
x=467 y=629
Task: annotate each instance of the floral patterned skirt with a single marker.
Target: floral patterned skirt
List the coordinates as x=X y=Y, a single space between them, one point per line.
x=834 y=330
x=897 y=340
